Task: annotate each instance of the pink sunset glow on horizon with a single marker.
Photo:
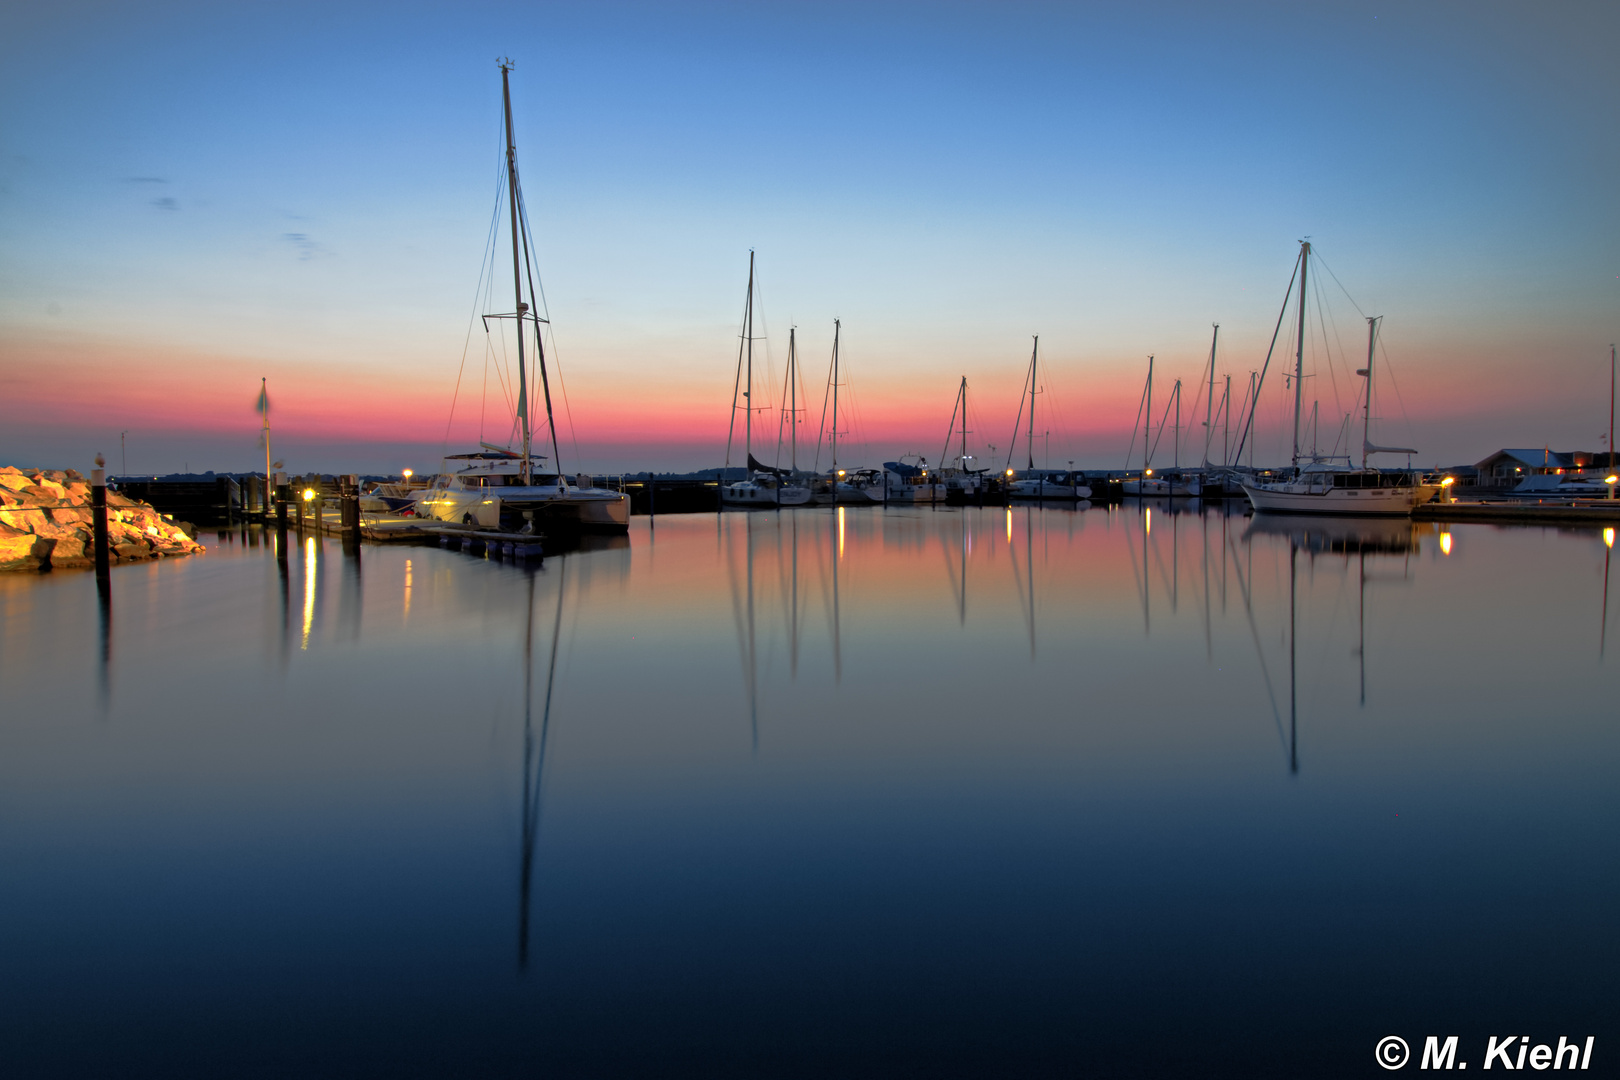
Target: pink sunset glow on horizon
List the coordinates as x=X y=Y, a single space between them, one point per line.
x=150 y=281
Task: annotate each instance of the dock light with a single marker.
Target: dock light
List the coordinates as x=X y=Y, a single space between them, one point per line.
x=1610 y=481
x=309 y=494
x=407 y=474
x=1148 y=473
x=840 y=472
x=1009 y=472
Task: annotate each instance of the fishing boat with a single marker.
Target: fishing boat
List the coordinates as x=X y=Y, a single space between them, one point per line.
x=497 y=487
x=765 y=487
x=1328 y=485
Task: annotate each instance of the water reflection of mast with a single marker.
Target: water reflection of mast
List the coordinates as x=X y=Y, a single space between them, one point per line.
x=1293 y=685
x=534 y=757
x=838 y=554
x=1254 y=632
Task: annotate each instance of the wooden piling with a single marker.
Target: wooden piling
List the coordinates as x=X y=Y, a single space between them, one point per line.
x=98 y=517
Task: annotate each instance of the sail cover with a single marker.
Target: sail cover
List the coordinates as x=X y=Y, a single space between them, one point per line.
x=1370 y=448
x=755 y=466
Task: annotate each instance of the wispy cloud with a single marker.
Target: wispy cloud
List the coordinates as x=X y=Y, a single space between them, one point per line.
x=165 y=203
x=146 y=180
x=307 y=248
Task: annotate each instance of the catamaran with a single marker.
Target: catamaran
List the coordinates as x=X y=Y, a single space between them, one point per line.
x=494 y=486
x=1323 y=484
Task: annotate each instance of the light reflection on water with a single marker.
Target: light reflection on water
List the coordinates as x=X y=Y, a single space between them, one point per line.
x=863 y=790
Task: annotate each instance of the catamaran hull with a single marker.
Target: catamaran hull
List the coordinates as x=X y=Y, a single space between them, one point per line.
x=1384 y=502
x=593 y=509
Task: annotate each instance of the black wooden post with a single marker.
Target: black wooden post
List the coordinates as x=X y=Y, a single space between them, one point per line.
x=282 y=494
x=98 y=518
x=652 y=496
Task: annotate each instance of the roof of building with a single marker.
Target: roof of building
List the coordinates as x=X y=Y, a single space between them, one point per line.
x=1537 y=458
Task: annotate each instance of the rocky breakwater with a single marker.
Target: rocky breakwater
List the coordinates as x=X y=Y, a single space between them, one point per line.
x=45 y=523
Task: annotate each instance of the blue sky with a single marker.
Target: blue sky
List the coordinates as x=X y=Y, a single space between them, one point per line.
x=193 y=196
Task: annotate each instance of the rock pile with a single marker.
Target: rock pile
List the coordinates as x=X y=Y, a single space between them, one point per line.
x=45 y=522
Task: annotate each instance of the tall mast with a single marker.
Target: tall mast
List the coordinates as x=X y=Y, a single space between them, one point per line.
x=1209 y=405
x=748 y=338
x=1299 y=345
x=1034 y=356
x=1147 y=419
x=1366 y=414
x=1226 y=433
x=835 y=401
x=517 y=269
x=1611 y=408
x=1176 y=459
x=793 y=404
x=963 y=395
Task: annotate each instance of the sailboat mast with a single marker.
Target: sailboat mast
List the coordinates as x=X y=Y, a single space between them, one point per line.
x=1299 y=345
x=517 y=268
x=1226 y=433
x=1034 y=357
x=963 y=395
x=835 y=400
x=793 y=403
x=1176 y=459
x=748 y=339
x=1147 y=418
x=1209 y=404
x=1366 y=407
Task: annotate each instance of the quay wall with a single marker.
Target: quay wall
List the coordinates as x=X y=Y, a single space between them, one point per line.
x=45 y=524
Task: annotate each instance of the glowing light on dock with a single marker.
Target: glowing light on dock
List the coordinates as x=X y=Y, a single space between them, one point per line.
x=1445 y=543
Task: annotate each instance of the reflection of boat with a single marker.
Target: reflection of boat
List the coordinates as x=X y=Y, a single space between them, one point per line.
x=496 y=486
x=1341 y=535
x=1323 y=485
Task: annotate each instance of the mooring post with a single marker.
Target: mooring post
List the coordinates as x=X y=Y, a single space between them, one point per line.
x=281 y=502
x=652 y=496
x=349 y=494
x=98 y=518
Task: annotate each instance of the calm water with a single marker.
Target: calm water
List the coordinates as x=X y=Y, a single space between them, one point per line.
x=855 y=793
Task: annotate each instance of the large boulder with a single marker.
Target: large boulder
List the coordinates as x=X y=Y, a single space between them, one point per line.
x=20 y=550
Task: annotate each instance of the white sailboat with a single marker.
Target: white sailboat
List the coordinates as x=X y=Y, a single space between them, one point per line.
x=496 y=487
x=1042 y=484
x=765 y=487
x=1325 y=485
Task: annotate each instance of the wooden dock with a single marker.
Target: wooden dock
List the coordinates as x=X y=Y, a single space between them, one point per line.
x=1594 y=512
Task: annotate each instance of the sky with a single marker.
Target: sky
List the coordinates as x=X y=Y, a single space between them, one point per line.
x=197 y=196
